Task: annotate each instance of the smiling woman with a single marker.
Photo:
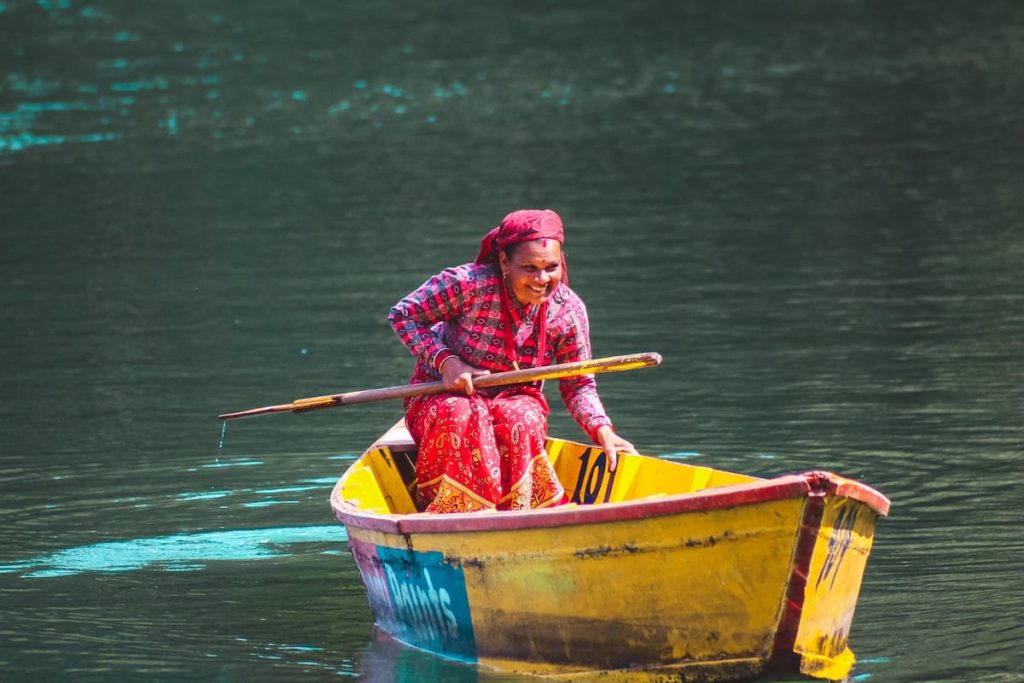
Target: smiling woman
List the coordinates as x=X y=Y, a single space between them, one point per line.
x=533 y=269
x=484 y=449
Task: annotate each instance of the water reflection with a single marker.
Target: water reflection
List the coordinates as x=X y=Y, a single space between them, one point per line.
x=388 y=661
x=181 y=552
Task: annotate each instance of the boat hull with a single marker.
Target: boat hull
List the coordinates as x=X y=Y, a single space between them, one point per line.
x=723 y=584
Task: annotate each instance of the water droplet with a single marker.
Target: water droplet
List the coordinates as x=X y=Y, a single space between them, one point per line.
x=223 y=433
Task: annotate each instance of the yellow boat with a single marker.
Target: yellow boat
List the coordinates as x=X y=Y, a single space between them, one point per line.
x=657 y=571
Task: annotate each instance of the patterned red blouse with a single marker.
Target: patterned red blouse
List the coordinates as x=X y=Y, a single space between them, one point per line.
x=459 y=310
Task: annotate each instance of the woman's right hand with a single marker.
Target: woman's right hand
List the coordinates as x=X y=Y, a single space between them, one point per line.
x=458 y=376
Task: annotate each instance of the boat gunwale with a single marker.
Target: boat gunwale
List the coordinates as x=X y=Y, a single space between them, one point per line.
x=783 y=487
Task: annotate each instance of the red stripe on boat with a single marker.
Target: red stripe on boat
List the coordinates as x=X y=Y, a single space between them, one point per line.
x=783 y=658
x=778 y=488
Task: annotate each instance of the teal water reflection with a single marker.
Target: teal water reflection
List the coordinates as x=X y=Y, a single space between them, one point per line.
x=182 y=552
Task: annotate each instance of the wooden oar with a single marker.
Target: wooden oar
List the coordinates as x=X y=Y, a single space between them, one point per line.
x=585 y=367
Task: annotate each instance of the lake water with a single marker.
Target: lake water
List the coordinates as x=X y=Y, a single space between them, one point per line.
x=812 y=210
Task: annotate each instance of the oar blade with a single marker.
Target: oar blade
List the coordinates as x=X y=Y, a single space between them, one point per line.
x=253 y=412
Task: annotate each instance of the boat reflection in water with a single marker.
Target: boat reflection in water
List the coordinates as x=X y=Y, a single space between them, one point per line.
x=658 y=569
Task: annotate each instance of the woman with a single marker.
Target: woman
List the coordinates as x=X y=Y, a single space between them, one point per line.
x=512 y=308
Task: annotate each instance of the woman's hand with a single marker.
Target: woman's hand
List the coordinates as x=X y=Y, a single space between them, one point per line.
x=612 y=443
x=458 y=376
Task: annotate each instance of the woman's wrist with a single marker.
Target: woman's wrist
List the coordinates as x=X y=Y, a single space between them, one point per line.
x=595 y=433
x=447 y=358
x=440 y=356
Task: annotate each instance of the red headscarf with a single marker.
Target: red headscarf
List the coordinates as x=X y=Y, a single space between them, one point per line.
x=524 y=225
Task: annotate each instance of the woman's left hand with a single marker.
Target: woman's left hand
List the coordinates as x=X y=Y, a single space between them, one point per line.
x=612 y=443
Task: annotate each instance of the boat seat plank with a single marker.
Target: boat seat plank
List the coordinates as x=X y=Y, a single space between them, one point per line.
x=388 y=469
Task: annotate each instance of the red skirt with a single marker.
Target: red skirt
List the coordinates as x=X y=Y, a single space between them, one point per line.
x=482 y=453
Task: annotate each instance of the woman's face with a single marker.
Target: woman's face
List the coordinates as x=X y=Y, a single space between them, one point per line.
x=533 y=270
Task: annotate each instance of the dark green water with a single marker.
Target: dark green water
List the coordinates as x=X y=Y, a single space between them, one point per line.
x=811 y=209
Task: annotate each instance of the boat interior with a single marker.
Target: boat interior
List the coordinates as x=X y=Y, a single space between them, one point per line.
x=383 y=481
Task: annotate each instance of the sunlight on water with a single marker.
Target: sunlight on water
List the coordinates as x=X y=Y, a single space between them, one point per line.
x=311 y=486
x=269 y=503
x=182 y=552
x=238 y=462
x=207 y=495
x=680 y=455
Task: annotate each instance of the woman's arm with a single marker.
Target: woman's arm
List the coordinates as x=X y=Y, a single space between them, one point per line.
x=442 y=297
x=580 y=393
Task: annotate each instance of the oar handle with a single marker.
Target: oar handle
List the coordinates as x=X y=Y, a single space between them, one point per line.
x=584 y=367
